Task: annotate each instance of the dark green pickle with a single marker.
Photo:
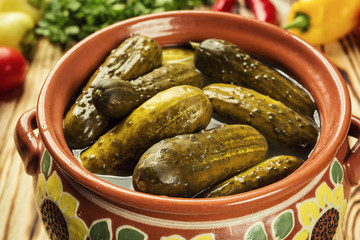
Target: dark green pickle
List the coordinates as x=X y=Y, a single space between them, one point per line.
x=116 y=98
x=222 y=61
x=84 y=123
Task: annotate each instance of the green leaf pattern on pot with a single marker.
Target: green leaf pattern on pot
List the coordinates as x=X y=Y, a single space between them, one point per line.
x=321 y=216
x=337 y=173
x=101 y=230
x=283 y=224
x=128 y=232
x=256 y=232
x=46 y=163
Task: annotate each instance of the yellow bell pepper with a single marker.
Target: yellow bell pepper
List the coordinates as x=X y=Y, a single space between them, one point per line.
x=16 y=31
x=32 y=7
x=322 y=21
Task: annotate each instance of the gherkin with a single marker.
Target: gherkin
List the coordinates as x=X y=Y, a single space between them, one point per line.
x=265 y=173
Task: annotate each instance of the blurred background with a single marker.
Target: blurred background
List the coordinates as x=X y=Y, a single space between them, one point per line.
x=34 y=34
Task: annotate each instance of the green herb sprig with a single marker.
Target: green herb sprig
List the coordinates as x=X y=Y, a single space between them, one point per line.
x=67 y=21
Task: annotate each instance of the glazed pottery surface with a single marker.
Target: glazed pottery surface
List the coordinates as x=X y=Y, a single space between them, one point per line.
x=75 y=204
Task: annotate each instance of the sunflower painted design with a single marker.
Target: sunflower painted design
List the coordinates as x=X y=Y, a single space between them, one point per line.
x=58 y=209
x=321 y=216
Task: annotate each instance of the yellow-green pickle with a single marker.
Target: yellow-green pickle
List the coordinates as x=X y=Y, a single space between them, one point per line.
x=260 y=175
x=84 y=123
x=278 y=123
x=179 y=55
x=222 y=61
x=186 y=164
x=178 y=110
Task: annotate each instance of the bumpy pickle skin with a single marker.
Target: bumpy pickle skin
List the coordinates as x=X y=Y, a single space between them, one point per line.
x=177 y=110
x=186 y=164
x=280 y=124
x=116 y=97
x=222 y=61
x=260 y=175
x=84 y=123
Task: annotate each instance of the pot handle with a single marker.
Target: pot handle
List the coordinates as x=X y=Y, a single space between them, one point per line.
x=28 y=144
x=352 y=160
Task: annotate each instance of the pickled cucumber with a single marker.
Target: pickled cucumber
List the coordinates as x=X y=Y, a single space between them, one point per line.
x=260 y=175
x=180 y=55
x=280 y=124
x=186 y=164
x=116 y=98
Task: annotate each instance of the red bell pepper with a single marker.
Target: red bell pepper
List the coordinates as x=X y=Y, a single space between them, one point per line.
x=263 y=10
x=224 y=5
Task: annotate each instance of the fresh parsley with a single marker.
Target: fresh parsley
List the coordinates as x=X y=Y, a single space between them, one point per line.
x=68 y=21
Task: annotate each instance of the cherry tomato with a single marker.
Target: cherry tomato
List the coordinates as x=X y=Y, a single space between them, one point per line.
x=12 y=68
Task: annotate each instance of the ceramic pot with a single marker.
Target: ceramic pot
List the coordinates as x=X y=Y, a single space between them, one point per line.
x=75 y=204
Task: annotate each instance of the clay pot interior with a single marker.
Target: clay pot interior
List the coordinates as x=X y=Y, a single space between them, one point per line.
x=262 y=40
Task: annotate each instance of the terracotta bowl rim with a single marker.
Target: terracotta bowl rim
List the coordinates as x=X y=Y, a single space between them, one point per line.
x=181 y=205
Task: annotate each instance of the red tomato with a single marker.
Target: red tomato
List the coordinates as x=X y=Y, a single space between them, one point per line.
x=12 y=68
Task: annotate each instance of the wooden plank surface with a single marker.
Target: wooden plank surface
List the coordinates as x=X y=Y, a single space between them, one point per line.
x=19 y=219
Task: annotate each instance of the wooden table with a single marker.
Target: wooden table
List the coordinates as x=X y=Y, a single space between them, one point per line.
x=18 y=215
